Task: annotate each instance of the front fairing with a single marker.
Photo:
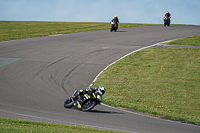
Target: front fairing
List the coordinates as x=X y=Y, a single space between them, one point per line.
x=113 y=23
x=166 y=18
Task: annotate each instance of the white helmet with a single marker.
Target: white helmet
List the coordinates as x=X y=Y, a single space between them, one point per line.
x=101 y=90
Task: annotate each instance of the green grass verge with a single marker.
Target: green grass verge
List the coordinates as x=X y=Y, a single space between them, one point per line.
x=22 y=126
x=162 y=80
x=191 y=41
x=11 y=30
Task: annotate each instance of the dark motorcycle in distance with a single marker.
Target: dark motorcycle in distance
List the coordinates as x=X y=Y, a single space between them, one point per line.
x=113 y=24
x=166 y=20
x=84 y=102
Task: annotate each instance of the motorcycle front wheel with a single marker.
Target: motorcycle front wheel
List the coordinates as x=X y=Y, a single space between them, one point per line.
x=112 y=28
x=68 y=103
x=88 y=105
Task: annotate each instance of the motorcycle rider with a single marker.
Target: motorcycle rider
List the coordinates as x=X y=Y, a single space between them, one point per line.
x=97 y=92
x=116 y=20
x=85 y=99
x=167 y=19
x=101 y=90
x=168 y=14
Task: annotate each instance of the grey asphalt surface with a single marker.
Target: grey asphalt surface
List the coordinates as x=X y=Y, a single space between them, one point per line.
x=45 y=71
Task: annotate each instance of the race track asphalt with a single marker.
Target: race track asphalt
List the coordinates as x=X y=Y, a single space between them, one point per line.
x=38 y=74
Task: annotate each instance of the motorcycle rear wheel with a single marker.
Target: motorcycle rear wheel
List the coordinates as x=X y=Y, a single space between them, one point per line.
x=68 y=103
x=88 y=105
x=165 y=23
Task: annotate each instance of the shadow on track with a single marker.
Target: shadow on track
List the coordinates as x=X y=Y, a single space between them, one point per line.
x=98 y=111
x=121 y=31
x=104 y=112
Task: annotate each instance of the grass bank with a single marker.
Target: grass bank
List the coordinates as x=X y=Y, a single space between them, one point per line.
x=190 y=41
x=163 y=81
x=22 y=126
x=11 y=30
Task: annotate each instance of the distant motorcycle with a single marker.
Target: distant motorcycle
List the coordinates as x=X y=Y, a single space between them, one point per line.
x=113 y=24
x=166 y=21
x=84 y=102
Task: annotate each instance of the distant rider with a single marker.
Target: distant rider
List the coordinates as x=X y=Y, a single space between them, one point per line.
x=168 y=14
x=116 y=20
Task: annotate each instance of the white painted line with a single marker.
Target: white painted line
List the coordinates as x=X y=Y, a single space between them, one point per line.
x=56 y=35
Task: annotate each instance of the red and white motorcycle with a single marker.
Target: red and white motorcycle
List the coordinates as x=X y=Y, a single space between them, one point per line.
x=166 y=20
x=114 y=26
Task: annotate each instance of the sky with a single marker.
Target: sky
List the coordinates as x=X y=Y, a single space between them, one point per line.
x=128 y=11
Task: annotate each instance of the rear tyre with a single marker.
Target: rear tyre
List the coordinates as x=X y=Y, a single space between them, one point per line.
x=68 y=103
x=88 y=105
x=168 y=24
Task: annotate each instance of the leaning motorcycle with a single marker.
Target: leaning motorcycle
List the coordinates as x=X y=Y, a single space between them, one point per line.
x=84 y=102
x=166 y=21
x=113 y=24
